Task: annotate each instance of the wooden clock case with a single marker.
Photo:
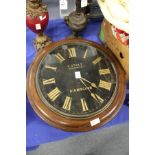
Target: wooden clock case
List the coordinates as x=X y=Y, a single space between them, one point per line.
x=73 y=124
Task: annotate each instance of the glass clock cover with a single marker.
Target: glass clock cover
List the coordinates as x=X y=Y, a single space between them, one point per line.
x=76 y=80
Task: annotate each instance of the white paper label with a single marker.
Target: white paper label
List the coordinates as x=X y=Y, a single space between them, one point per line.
x=63 y=4
x=77 y=75
x=38 y=27
x=83 y=3
x=95 y=121
x=42 y=17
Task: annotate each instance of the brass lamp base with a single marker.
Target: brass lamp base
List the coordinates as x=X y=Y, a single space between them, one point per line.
x=74 y=35
x=41 y=41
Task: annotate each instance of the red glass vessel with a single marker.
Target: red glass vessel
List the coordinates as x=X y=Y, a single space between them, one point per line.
x=37 y=18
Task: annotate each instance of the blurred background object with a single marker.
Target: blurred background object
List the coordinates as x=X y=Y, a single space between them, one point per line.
x=114 y=30
x=116 y=12
x=55 y=12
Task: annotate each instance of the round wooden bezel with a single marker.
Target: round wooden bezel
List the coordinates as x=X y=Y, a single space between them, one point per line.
x=72 y=124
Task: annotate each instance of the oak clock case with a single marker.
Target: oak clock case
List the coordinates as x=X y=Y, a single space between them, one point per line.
x=76 y=85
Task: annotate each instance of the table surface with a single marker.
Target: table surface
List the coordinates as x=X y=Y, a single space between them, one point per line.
x=37 y=131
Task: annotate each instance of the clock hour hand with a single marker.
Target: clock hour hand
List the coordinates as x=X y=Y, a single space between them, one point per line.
x=92 y=84
x=97 y=98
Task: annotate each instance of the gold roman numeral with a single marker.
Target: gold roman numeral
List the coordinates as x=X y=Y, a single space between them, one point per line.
x=67 y=103
x=84 y=105
x=50 y=67
x=54 y=94
x=97 y=97
x=97 y=60
x=59 y=57
x=105 y=85
x=85 y=54
x=72 y=52
x=48 y=81
x=104 y=71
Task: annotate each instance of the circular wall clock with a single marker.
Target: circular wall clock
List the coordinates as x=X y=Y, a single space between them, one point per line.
x=76 y=85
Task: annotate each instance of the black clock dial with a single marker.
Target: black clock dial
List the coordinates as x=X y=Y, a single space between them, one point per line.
x=76 y=80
